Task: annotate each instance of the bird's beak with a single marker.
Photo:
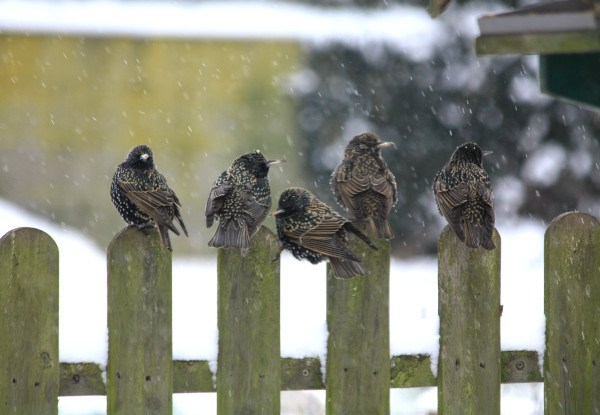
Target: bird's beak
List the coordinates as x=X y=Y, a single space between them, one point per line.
x=386 y=144
x=277 y=212
x=486 y=153
x=272 y=162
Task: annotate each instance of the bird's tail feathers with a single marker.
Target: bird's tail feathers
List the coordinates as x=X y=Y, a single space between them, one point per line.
x=231 y=234
x=180 y=220
x=347 y=269
x=477 y=235
x=381 y=228
x=164 y=237
x=351 y=228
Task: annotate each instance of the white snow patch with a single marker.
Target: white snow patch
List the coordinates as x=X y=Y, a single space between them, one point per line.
x=405 y=28
x=544 y=166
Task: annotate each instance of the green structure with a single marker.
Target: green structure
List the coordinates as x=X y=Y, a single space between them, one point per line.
x=566 y=36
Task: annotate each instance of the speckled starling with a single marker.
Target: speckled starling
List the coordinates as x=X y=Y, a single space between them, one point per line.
x=240 y=199
x=143 y=198
x=364 y=186
x=312 y=230
x=464 y=196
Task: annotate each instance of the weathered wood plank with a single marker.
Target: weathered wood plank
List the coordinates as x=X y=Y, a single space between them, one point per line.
x=358 y=346
x=469 y=310
x=298 y=374
x=407 y=371
x=29 y=323
x=140 y=365
x=572 y=308
x=537 y=44
x=192 y=376
x=520 y=366
x=81 y=379
x=249 y=366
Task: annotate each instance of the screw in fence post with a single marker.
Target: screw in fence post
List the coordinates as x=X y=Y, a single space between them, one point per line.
x=358 y=347
x=469 y=312
x=29 y=323
x=572 y=309
x=249 y=362
x=140 y=353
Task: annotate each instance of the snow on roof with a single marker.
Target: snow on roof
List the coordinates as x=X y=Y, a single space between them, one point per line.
x=408 y=29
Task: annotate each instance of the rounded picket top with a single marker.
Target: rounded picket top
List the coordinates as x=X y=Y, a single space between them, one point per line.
x=29 y=234
x=569 y=221
x=29 y=323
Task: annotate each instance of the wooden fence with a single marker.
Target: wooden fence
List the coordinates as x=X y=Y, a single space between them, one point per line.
x=141 y=375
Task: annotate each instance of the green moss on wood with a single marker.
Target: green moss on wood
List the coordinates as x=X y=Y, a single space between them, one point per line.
x=249 y=366
x=409 y=371
x=358 y=347
x=469 y=311
x=298 y=374
x=192 y=376
x=80 y=379
x=29 y=324
x=571 y=305
x=520 y=366
x=140 y=368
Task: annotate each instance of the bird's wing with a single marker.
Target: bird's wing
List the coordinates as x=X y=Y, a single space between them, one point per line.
x=487 y=196
x=449 y=200
x=257 y=209
x=339 y=177
x=220 y=188
x=346 y=186
x=319 y=234
x=153 y=202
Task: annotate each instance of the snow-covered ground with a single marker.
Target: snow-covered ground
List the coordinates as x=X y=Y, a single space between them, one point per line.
x=413 y=309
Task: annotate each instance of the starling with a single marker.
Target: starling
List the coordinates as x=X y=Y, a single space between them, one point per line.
x=312 y=230
x=240 y=199
x=143 y=198
x=364 y=186
x=464 y=196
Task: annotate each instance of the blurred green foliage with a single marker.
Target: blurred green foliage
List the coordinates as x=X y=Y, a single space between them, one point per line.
x=71 y=108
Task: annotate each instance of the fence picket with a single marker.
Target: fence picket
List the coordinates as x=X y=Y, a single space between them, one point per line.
x=140 y=352
x=469 y=311
x=249 y=363
x=572 y=308
x=29 y=323
x=358 y=347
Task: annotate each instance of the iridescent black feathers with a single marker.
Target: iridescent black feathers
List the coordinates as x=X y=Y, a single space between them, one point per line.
x=364 y=186
x=464 y=197
x=312 y=230
x=143 y=198
x=240 y=200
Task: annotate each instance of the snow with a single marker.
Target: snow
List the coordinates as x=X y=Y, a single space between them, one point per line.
x=545 y=165
x=413 y=308
x=404 y=28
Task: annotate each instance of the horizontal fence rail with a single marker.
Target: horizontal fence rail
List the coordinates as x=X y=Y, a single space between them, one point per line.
x=141 y=375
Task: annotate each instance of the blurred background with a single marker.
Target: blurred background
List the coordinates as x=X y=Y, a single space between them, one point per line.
x=73 y=103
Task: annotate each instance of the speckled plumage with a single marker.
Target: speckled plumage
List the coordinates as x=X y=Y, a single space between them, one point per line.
x=363 y=185
x=313 y=230
x=142 y=197
x=464 y=197
x=240 y=199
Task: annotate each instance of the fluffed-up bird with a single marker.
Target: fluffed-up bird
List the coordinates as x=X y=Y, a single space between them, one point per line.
x=240 y=200
x=313 y=230
x=364 y=185
x=464 y=197
x=143 y=198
